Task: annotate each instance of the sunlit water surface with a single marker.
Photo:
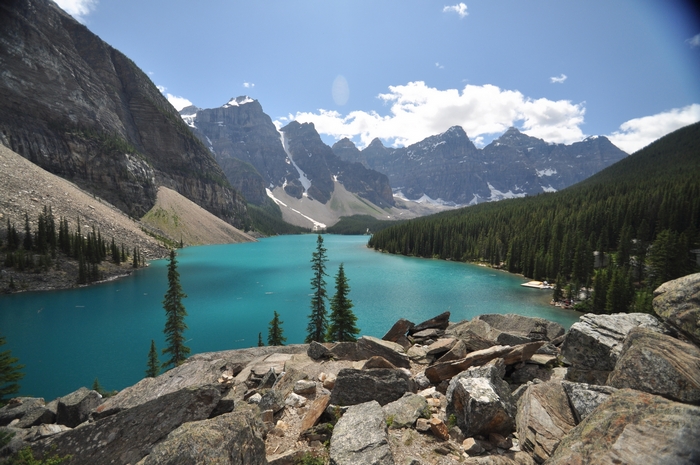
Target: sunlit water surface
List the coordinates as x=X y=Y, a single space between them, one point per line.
x=68 y=338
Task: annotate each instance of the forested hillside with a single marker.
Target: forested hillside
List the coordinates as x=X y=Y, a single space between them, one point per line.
x=640 y=216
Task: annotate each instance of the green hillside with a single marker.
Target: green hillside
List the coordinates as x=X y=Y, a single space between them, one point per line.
x=642 y=213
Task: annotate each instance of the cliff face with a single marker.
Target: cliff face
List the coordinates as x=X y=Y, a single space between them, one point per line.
x=80 y=109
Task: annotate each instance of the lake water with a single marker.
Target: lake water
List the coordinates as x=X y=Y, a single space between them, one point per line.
x=68 y=338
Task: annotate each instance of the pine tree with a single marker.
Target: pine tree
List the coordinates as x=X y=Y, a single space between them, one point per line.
x=153 y=365
x=9 y=373
x=318 y=325
x=275 y=335
x=28 y=241
x=342 y=319
x=175 y=314
x=260 y=341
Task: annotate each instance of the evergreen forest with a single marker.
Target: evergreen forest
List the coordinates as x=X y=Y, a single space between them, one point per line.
x=607 y=242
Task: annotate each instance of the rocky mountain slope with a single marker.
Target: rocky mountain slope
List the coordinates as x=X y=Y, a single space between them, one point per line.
x=27 y=188
x=81 y=109
x=497 y=389
x=450 y=168
x=239 y=133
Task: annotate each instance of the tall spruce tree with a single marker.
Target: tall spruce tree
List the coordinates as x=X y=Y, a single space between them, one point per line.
x=342 y=326
x=9 y=373
x=153 y=365
x=175 y=314
x=275 y=334
x=318 y=323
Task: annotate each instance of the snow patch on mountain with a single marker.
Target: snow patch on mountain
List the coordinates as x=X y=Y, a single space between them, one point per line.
x=498 y=195
x=238 y=101
x=548 y=188
x=303 y=179
x=546 y=172
x=189 y=120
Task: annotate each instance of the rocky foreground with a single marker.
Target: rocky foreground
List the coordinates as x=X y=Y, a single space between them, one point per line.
x=498 y=389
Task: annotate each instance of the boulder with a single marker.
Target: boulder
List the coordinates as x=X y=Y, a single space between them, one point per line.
x=345 y=351
x=440 y=322
x=544 y=418
x=457 y=351
x=634 y=427
x=419 y=354
x=677 y=302
x=441 y=346
x=404 y=412
x=465 y=332
x=509 y=329
x=75 y=408
x=658 y=364
x=129 y=435
x=313 y=414
x=30 y=411
x=318 y=351
x=359 y=437
x=305 y=387
x=585 y=398
x=229 y=439
x=481 y=401
x=377 y=362
x=445 y=370
x=525 y=372
x=399 y=330
x=593 y=344
x=359 y=386
x=439 y=429
x=368 y=346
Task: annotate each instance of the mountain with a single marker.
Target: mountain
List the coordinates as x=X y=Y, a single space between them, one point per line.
x=80 y=109
x=644 y=209
x=449 y=168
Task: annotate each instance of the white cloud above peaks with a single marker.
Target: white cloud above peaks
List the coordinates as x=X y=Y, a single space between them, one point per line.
x=418 y=111
x=637 y=133
x=178 y=102
x=78 y=9
x=694 y=41
x=558 y=79
x=460 y=9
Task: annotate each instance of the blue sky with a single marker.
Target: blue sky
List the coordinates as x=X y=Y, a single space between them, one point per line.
x=404 y=70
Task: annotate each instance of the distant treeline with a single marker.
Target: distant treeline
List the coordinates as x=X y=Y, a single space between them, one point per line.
x=641 y=216
x=38 y=250
x=360 y=224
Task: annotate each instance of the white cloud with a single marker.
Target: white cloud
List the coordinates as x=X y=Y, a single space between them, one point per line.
x=639 y=132
x=248 y=85
x=78 y=9
x=694 y=41
x=460 y=9
x=178 y=102
x=439 y=66
x=558 y=80
x=418 y=111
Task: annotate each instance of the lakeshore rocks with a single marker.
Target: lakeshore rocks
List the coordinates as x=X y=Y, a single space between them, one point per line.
x=544 y=418
x=678 y=303
x=440 y=322
x=75 y=408
x=634 y=427
x=658 y=364
x=404 y=412
x=481 y=401
x=593 y=344
x=585 y=398
x=229 y=439
x=359 y=386
x=368 y=346
x=29 y=411
x=128 y=436
x=359 y=437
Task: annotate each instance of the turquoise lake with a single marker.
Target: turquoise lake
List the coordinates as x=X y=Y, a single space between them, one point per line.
x=68 y=338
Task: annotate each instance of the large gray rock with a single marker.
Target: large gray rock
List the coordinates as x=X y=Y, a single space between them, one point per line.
x=481 y=401
x=75 y=408
x=405 y=411
x=368 y=346
x=634 y=427
x=509 y=329
x=128 y=436
x=441 y=322
x=585 y=398
x=658 y=364
x=360 y=386
x=399 y=330
x=593 y=344
x=359 y=437
x=677 y=302
x=198 y=370
x=544 y=418
x=229 y=439
x=30 y=411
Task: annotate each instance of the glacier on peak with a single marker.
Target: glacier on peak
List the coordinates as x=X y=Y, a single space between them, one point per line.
x=238 y=101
